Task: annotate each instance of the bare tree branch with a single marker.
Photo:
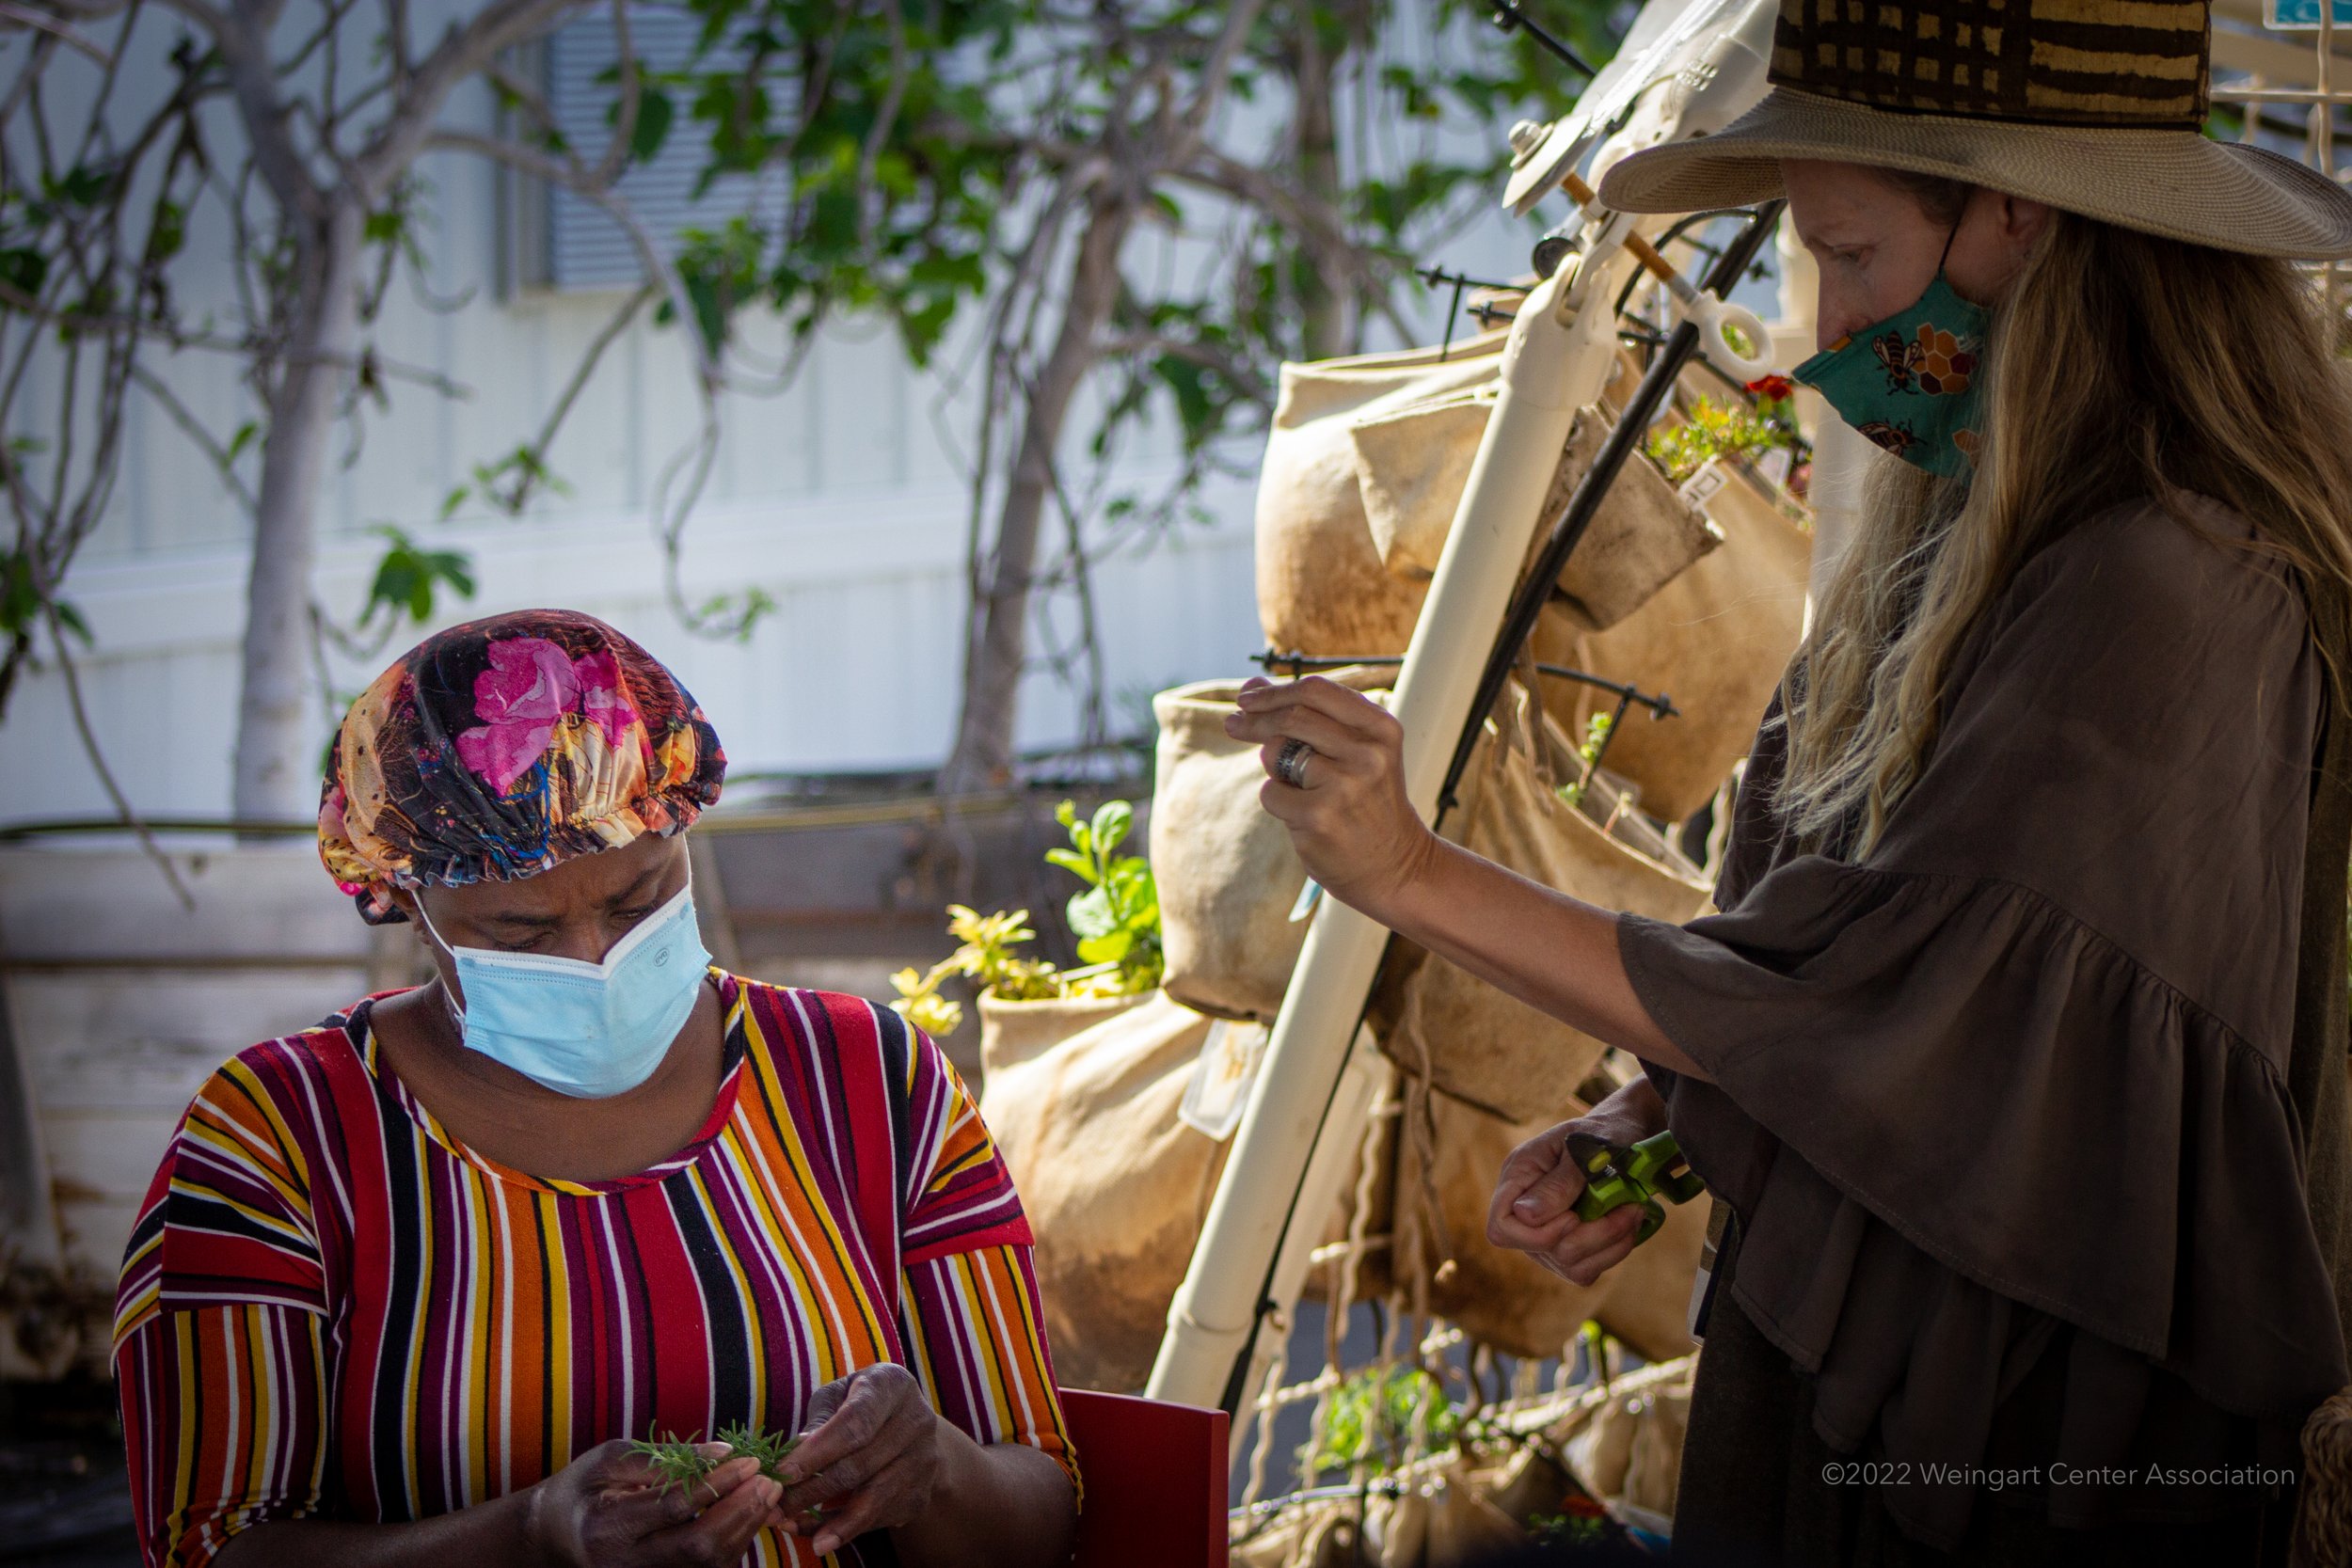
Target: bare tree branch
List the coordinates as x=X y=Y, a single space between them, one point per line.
x=581 y=374
x=632 y=93
x=193 y=428
x=124 y=809
x=25 y=16
x=462 y=53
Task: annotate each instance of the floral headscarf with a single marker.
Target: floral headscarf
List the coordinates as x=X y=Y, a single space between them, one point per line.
x=496 y=749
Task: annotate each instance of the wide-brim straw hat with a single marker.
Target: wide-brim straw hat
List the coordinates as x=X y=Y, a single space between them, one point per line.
x=2095 y=106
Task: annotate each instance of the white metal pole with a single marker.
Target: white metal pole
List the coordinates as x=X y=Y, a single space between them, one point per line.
x=1332 y=1166
x=1557 y=359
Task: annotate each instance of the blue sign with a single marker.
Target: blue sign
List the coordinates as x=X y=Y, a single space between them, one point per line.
x=2302 y=15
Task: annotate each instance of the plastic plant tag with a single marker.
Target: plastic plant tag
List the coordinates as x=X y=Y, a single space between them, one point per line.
x=1221 y=1075
x=1701 y=486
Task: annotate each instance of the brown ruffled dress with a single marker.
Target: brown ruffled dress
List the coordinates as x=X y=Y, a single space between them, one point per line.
x=2016 y=1112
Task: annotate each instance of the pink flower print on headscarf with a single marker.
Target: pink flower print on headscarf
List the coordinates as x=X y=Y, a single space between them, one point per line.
x=600 y=698
x=529 y=687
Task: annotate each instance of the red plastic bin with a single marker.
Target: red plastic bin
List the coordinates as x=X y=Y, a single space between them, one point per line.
x=1156 y=1482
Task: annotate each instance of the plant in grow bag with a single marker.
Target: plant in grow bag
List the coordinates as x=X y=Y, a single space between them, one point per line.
x=1595 y=737
x=1368 y=1421
x=1716 y=430
x=985 y=955
x=1117 y=919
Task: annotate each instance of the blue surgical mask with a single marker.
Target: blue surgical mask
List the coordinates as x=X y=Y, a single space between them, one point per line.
x=587 y=1030
x=1909 y=382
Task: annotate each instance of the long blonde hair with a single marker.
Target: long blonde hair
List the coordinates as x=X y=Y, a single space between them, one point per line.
x=2120 y=365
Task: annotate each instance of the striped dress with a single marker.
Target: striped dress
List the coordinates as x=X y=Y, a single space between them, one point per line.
x=330 y=1309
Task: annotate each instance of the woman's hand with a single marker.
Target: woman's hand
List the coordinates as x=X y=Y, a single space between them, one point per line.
x=1535 y=1203
x=607 y=1509
x=871 y=1460
x=1348 y=818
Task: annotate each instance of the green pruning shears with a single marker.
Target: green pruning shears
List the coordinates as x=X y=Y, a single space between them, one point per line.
x=1616 y=1176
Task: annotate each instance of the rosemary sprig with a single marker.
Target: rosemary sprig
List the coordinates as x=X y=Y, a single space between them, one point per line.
x=681 y=1463
x=769 y=1448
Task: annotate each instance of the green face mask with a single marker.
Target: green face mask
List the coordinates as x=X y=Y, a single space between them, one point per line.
x=1909 y=382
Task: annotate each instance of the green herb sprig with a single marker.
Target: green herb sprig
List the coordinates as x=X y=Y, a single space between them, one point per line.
x=681 y=1463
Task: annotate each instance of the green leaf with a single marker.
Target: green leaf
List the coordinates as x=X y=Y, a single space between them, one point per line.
x=1091 y=914
x=20 y=601
x=23 y=269
x=238 y=442
x=1111 y=821
x=407 y=578
x=1073 y=862
x=655 y=113
x=1108 y=948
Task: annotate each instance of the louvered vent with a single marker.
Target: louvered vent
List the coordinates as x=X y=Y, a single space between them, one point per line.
x=584 y=248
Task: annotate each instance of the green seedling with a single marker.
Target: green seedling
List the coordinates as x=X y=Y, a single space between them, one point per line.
x=681 y=1463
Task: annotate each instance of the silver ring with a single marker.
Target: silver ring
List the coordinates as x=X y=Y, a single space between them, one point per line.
x=1290 y=763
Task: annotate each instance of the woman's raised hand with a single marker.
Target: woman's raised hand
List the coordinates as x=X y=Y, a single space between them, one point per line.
x=1344 y=802
x=869 y=1460
x=608 y=1509
x=1535 y=1202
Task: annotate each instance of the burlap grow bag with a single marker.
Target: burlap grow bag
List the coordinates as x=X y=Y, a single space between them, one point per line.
x=1322 y=587
x=1715 y=640
x=1715 y=636
x=1115 y=1186
x=1392 y=435
x=1013 y=1032
x=1470 y=1040
x=1228 y=882
x=1228 y=876
x=1413 y=464
x=1624 y=1441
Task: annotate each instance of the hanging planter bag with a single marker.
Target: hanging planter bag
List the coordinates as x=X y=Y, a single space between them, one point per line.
x=1413 y=463
x=1115 y=1135
x=1229 y=880
x=1322 y=587
x=1013 y=1032
x=1715 y=640
x=1470 y=1040
x=1366 y=462
x=1114 y=1184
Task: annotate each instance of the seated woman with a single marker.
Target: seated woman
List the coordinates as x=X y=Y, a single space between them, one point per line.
x=407 y=1282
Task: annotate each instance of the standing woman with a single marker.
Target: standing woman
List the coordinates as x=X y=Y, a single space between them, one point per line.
x=2017 y=1054
x=409 y=1282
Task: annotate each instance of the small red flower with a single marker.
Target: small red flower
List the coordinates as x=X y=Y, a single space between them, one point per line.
x=1773 y=388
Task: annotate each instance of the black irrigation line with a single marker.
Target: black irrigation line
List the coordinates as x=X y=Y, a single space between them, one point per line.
x=1660 y=705
x=1508 y=18
x=1568 y=531
x=1436 y=276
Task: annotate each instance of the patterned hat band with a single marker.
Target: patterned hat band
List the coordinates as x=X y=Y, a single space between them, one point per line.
x=2136 y=63
x=2092 y=106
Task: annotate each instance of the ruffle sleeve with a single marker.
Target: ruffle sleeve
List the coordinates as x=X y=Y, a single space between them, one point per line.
x=2018 y=1073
